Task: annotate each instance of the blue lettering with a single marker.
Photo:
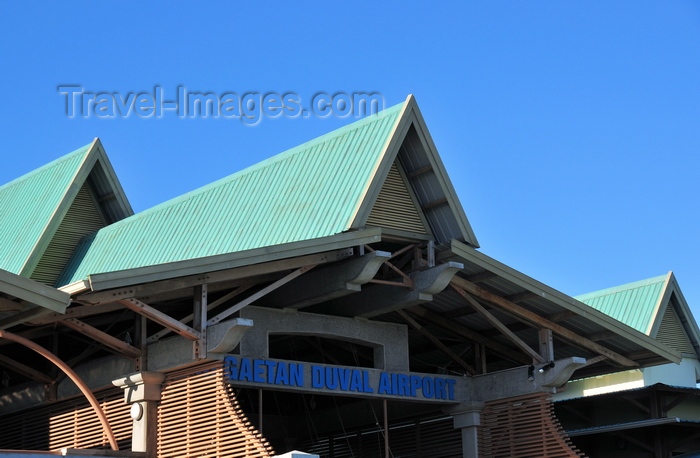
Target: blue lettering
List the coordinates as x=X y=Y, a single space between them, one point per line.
x=259 y=371
x=231 y=367
x=316 y=377
x=439 y=388
x=365 y=383
x=282 y=376
x=271 y=370
x=450 y=389
x=415 y=384
x=245 y=373
x=296 y=373
x=384 y=384
x=428 y=387
x=403 y=386
x=356 y=382
x=332 y=378
x=344 y=378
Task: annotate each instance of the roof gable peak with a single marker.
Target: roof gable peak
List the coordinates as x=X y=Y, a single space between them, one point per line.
x=411 y=150
x=52 y=190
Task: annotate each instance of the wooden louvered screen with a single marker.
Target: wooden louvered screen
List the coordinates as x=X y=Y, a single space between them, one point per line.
x=199 y=417
x=671 y=332
x=523 y=427
x=68 y=424
x=394 y=207
x=82 y=218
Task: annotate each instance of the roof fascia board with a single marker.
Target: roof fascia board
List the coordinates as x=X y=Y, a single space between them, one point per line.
x=469 y=254
x=662 y=303
x=33 y=292
x=117 y=279
x=443 y=177
x=692 y=325
x=112 y=179
x=381 y=168
x=60 y=212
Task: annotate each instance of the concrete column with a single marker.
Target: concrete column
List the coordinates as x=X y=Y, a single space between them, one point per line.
x=466 y=417
x=142 y=390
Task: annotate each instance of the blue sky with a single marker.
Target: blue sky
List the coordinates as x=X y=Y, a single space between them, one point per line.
x=571 y=130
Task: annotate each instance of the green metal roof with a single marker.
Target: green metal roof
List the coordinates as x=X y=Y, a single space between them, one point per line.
x=311 y=191
x=635 y=304
x=28 y=205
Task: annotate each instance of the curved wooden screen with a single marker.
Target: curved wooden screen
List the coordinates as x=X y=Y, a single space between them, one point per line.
x=68 y=424
x=523 y=427
x=199 y=417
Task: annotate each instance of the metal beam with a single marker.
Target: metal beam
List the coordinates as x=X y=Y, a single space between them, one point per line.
x=500 y=326
x=191 y=281
x=199 y=321
x=437 y=342
x=211 y=306
x=249 y=300
x=161 y=318
x=102 y=337
x=78 y=312
x=25 y=370
x=463 y=331
x=539 y=321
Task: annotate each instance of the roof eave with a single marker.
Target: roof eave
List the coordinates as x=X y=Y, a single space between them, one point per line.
x=560 y=299
x=34 y=292
x=166 y=271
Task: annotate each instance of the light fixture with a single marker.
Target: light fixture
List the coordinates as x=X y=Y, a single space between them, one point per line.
x=531 y=373
x=546 y=367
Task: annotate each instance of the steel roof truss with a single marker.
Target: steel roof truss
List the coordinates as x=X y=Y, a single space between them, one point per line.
x=437 y=342
x=105 y=339
x=536 y=357
x=161 y=318
x=249 y=300
x=539 y=321
x=25 y=370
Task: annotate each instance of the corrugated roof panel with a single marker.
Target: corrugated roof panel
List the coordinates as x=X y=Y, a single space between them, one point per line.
x=633 y=304
x=27 y=205
x=307 y=192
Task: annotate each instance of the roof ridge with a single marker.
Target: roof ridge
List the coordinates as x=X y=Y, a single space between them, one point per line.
x=85 y=150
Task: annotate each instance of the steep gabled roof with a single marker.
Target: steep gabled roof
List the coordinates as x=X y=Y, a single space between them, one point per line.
x=655 y=306
x=321 y=188
x=33 y=210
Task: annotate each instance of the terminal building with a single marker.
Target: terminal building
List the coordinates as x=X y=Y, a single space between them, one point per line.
x=332 y=299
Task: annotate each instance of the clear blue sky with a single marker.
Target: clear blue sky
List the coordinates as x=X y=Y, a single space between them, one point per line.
x=571 y=130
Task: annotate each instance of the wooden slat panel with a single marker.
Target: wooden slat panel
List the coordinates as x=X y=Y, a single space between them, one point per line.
x=394 y=207
x=67 y=424
x=671 y=332
x=200 y=416
x=83 y=217
x=523 y=427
